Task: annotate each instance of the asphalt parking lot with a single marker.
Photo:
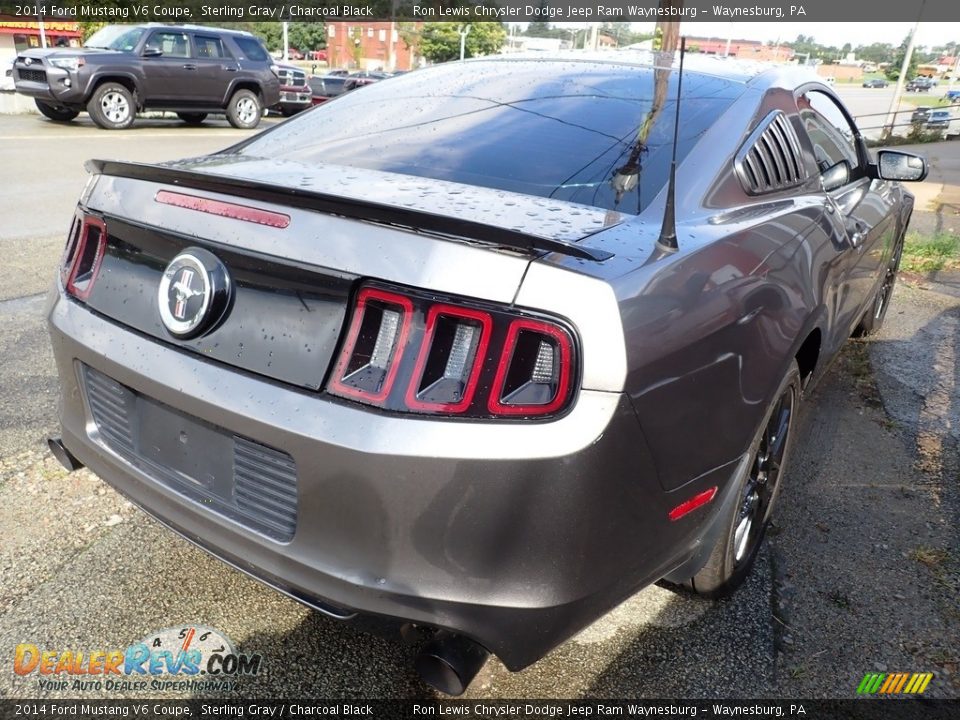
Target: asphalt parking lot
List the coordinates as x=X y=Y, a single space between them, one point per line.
x=862 y=573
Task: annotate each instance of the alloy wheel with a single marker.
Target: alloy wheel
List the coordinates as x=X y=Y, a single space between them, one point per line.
x=761 y=486
x=246 y=110
x=115 y=107
x=889 y=279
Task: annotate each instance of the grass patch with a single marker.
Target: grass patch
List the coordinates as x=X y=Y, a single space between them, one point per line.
x=930 y=253
x=931 y=557
x=917 y=99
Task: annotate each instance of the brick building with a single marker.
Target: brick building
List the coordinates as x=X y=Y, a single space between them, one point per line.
x=741 y=49
x=368 y=46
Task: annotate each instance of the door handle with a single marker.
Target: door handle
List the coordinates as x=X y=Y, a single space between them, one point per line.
x=857 y=233
x=189 y=66
x=230 y=68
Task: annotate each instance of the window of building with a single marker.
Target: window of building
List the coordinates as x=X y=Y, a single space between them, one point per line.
x=331 y=31
x=383 y=36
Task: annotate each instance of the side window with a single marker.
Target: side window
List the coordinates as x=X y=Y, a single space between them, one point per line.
x=173 y=44
x=252 y=48
x=831 y=134
x=208 y=47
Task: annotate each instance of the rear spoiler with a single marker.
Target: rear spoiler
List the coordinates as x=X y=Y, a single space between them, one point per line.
x=352 y=208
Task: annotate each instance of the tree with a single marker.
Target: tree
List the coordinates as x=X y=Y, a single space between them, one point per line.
x=539 y=29
x=893 y=72
x=89 y=28
x=440 y=41
x=875 y=52
x=307 y=36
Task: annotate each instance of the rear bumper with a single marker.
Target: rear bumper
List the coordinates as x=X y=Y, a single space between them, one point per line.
x=516 y=536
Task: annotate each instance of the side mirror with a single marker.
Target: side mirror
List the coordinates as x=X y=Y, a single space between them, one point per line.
x=896 y=165
x=836 y=176
x=152 y=51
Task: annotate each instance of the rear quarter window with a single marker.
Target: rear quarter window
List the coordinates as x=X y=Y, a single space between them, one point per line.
x=251 y=49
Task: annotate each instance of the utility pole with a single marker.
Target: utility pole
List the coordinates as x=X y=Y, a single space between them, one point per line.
x=43 y=31
x=668 y=32
x=286 y=42
x=464 y=31
x=392 y=29
x=898 y=91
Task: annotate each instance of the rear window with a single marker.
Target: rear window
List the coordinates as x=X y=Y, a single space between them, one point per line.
x=251 y=48
x=592 y=133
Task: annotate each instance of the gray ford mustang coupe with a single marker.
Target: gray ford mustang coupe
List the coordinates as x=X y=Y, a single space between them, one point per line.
x=460 y=350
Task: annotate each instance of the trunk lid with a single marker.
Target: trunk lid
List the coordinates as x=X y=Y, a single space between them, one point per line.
x=292 y=285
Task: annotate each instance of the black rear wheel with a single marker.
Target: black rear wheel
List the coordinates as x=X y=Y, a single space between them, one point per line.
x=746 y=522
x=56 y=112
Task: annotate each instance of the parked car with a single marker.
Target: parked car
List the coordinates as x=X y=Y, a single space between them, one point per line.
x=124 y=69
x=295 y=92
x=317 y=55
x=921 y=84
x=338 y=72
x=920 y=115
x=875 y=83
x=354 y=82
x=440 y=351
x=944 y=120
x=325 y=87
x=953 y=96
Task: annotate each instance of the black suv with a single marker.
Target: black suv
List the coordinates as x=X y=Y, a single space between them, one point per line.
x=122 y=69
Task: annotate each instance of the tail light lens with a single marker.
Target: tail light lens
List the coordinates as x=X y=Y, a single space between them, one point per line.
x=534 y=370
x=83 y=255
x=375 y=344
x=412 y=353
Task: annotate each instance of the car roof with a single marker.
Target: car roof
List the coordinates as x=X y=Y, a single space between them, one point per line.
x=745 y=72
x=196 y=28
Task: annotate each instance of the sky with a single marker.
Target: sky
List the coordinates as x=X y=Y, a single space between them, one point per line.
x=929 y=34
x=856 y=33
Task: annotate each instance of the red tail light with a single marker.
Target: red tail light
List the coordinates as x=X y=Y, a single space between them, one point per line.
x=83 y=255
x=375 y=343
x=448 y=367
x=411 y=353
x=534 y=370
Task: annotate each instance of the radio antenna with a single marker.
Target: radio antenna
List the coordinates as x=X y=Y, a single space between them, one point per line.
x=668 y=231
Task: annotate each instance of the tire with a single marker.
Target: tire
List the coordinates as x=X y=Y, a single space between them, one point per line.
x=244 y=110
x=56 y=112
x=746 y=522
x=872 y=320
x=192 y=118
x=112 y=107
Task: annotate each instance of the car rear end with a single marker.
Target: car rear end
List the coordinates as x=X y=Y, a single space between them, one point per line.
x=375 y=389
x=326 y=87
